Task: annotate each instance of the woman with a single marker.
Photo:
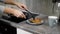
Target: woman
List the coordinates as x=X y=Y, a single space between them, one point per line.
x=7 y=29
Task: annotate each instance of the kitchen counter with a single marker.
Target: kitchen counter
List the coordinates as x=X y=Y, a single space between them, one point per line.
x=40 y=29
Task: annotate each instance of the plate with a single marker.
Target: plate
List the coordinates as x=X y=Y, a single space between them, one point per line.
x=29 y=22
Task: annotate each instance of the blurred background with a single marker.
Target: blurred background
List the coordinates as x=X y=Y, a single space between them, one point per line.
x=41 y=6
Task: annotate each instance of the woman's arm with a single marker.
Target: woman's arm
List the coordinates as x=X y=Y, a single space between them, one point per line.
x=8 y=1
x=12 y=11
x=2 y=8
x=20 y=5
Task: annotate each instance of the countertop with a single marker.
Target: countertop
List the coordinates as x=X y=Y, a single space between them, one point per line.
x=40 y=29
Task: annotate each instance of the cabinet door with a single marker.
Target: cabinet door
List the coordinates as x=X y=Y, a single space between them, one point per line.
x=20 y=31
x=6 y=28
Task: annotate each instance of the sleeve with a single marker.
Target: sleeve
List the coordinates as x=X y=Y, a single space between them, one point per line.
x=1 y=10
x=1 y=0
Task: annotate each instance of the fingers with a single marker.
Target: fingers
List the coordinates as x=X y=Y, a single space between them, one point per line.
x=21 y=5
x=18 y=14
x=24 y=7
x=23 y=16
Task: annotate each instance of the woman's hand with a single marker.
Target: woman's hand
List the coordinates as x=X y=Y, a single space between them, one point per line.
x=21 y=5
x=14 y=12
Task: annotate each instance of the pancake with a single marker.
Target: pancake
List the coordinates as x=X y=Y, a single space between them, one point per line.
x=36 y=20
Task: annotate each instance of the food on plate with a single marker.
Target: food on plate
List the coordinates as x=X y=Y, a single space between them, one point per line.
x=36 y=20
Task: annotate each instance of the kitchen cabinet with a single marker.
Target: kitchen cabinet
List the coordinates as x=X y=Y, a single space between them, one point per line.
x=7 y=29
x=20 y=31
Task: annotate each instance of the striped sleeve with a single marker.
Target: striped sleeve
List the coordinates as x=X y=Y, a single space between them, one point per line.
x=1 y=10
x=1 y=0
